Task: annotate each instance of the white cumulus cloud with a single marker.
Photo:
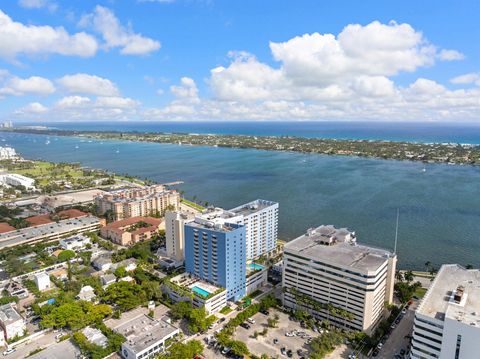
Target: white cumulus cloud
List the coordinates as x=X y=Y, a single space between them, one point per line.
x=114 y=34
x=470 y=78
x=88 y=84
x=33 y=85
x=450 y=55
x=34 y=108
x=17 y=38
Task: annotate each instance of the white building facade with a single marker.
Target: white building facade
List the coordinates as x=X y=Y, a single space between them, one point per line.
x=13 y=179
x=42 y=280
x=447 y=322
x=326 y=273
x=12 y=324
x=7 y=153
x=260 y=218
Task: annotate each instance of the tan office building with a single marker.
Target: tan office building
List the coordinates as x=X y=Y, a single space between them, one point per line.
x=330 y=276
x=138 y=202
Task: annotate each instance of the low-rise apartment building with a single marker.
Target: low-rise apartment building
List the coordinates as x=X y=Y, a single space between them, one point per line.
x=14 y=179
x=328 y=274
x=186 y=287
x=131 y=230
x=12 y=324
x=50 y=231
x=75 y=243
x=145 y=336
x=447 y=322
x=138 y=202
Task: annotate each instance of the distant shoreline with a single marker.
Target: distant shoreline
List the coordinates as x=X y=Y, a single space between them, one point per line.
x=463 y=154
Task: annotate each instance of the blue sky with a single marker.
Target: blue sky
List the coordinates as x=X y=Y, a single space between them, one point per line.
x=213 y=60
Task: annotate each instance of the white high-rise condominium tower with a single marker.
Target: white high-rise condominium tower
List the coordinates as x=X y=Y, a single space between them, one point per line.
x=260 y=219
x=447 y=322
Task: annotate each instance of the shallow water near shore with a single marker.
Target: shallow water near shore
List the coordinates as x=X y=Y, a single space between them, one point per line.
x=439 y=207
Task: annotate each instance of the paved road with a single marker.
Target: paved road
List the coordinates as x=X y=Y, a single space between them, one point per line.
x=397 y=340
x=26 y=348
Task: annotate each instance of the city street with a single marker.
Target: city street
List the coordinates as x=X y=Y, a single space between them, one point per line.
x=398 y=338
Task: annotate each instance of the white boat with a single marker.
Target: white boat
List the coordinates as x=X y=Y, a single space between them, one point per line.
x=76 y=146
x=47 y=142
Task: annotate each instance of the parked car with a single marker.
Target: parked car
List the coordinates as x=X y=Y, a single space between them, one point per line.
x=264 y=311
x=245 y=325
x=289 y=353
x=9 y=351
x=251 y=321
x=289 y=334
x=283 y=351
x=275 y=341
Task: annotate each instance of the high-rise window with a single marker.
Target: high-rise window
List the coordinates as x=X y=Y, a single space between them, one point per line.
x=459 y=344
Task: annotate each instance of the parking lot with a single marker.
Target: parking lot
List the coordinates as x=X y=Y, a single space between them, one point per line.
x=265 y=344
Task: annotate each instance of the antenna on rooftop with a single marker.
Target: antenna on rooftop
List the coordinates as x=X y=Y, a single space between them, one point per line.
x=396 y=233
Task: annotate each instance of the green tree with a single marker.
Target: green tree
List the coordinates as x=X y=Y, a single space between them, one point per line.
x=125 y=295
x=120 y=272
x=181 y=310
x=183 y=350
x=239 y=348
x=66 y=255
x=409 y=276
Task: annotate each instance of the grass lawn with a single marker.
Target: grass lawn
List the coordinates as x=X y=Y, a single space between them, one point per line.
x=420 y=292
x=225 y=310
x=192 y=204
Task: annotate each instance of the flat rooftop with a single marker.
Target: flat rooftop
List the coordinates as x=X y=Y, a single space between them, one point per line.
x=8 y=314
x=26 y=234
x=438 y=303
x=338 y=246
x=143 y=331
x=216 y=220
x=253 y=207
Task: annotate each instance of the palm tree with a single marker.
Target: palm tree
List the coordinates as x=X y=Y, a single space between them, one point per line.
x=398 y=275
x=408 y=276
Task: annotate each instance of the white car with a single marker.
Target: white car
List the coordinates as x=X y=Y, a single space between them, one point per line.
x=288 y=334
x=9 y=351
x=251 y=321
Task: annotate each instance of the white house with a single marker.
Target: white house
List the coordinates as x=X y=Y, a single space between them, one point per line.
x=75 y=243
x=42 y=280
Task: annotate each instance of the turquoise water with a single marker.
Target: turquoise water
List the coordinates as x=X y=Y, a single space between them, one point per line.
x=439 y=208
x=255 y=266
x=200 y=291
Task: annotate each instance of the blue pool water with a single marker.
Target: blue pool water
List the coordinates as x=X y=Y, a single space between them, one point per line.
x=255 y=266
x=200 y=291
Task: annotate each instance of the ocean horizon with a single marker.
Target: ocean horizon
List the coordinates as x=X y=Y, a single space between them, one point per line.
x=426 y=132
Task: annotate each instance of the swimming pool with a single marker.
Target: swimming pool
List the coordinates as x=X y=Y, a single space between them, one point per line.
x=255 y=266
x=200 y=291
